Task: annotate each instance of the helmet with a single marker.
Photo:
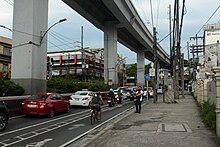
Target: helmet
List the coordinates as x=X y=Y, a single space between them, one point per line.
x=98 y=93
x=111 y=89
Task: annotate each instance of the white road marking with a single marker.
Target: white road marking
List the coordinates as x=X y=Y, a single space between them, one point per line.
x=39 y=144
x=38 y=132
x=42 y=123
x=80 y=136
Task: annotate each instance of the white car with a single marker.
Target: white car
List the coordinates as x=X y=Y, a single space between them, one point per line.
x=81 y=98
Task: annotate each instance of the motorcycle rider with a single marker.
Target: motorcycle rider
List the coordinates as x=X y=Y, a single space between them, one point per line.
x=112 y=95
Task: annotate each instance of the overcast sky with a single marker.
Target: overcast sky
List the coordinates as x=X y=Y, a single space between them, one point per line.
x=64 y=35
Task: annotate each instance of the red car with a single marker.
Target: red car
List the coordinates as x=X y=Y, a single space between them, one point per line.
x=45 y=104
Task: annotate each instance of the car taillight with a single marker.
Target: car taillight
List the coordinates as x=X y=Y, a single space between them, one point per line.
x=85 y=98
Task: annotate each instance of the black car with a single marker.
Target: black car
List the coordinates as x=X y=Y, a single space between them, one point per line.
x=3 y=115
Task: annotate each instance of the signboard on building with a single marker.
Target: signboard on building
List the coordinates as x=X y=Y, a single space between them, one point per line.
x=212 y=36
x=152 y=72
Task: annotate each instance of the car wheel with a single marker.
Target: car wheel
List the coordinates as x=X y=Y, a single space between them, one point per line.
x=51 y=113
x=3 y=121
x=68 y=109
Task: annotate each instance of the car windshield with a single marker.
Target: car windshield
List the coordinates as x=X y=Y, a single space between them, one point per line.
x=127 y=90
x=81 y=93
x=37 y=97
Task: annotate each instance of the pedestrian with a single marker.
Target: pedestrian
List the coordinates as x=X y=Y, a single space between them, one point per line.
x=138 y=100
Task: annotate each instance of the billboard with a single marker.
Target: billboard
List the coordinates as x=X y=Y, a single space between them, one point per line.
x=212 y=36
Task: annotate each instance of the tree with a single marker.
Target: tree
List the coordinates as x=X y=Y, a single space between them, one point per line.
x=131 y=70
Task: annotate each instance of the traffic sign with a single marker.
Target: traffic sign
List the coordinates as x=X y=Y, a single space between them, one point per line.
x=147 y=77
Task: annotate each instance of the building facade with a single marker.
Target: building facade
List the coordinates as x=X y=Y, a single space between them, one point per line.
x=211 y=41
x=86 y=64
x=5 y=57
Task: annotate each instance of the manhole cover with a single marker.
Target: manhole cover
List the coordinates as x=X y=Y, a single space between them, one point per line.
x=173 y=127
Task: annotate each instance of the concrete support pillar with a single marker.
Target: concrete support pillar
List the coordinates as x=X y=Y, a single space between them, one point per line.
x=217 y=75
x=110 y=54
x=140 y=68
x=30 y=21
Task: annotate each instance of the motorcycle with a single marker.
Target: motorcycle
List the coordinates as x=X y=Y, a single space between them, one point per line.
x=110 y=102
x=118 y=99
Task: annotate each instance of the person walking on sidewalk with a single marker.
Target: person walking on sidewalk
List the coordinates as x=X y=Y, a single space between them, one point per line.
x=138 y=100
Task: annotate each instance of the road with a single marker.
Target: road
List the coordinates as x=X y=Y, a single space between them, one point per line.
x=60 y=130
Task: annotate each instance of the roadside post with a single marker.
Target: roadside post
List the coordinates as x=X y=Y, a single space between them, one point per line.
x=147 y=78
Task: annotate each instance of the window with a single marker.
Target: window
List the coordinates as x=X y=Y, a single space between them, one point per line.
x=53 y=97
x=5 y=67
x=7 y=51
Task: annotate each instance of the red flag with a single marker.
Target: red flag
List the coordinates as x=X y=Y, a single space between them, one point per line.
x=87 y=59
x=94 y=66
x=75 y=59
x=61 y=60
x=100 y=66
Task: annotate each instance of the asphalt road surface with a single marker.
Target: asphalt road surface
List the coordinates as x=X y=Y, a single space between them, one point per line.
x=60 y=130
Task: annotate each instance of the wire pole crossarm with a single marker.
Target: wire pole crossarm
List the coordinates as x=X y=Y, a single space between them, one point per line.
x=42 y=37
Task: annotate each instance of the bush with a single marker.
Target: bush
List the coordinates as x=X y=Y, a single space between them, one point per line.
x=9 y=88
x=70 y=85
x=208 y=114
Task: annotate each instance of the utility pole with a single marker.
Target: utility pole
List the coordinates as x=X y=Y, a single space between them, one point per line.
x=182 y=74
x=155 y=63
x=176 y=51
x=170 y=28
x=188 y=49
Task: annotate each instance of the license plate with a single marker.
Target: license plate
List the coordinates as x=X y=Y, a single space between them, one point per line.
x=32 y=106
x=76 y=99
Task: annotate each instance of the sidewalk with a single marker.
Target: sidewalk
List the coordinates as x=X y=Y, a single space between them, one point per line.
x=160 y=125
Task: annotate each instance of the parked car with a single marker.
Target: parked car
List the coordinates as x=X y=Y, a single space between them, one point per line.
x=45 y=104
x=81 y=98
x=3 y=115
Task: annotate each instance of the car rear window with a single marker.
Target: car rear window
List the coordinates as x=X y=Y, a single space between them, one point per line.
x=37 y=97
x=81 y=93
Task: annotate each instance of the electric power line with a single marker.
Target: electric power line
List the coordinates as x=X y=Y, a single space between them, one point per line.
x=152 y=17
x=8 y=2
x=209 y=18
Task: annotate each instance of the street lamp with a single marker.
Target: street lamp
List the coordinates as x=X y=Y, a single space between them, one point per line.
x=42 y=37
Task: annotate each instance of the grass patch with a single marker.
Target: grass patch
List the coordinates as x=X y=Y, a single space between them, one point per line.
x=208 y=115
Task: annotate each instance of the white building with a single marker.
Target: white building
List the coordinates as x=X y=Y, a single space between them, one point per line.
x=212 y=38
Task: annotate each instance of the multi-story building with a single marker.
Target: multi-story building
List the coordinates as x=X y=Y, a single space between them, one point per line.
x=212 y=47
x=5 y=57
x=86 y=64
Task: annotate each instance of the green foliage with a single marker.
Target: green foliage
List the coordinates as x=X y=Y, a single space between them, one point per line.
x=131 y=70
x=208 y=114
x=9 y=88
x=70 y=85
x=147 y=68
